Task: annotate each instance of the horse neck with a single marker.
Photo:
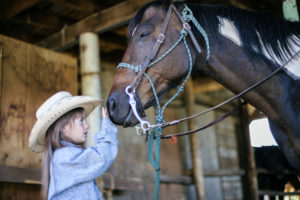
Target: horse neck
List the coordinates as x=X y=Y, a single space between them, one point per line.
x=231 y=67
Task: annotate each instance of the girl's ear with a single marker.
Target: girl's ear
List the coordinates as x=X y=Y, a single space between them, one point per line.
x=63 y=131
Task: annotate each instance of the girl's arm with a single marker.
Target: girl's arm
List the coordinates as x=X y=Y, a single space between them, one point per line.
x=73 y=165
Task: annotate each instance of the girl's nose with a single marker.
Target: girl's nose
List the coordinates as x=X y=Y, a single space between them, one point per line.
x=87 y=126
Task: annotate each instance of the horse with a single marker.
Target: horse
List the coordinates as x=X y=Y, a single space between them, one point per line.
x=279 y=170
x=237 y=49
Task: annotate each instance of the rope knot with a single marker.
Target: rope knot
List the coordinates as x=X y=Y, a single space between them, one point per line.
x=159 y=118
x=181 y=88
x=187 y=13
x=184 y=32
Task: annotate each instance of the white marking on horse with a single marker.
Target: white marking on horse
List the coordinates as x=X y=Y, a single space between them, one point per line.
x=133 y=32
x=228 y=30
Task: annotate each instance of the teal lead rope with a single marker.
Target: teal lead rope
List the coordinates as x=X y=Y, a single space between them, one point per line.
x=156 y=132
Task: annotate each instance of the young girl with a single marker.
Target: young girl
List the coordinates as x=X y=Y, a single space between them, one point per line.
x=69 y=169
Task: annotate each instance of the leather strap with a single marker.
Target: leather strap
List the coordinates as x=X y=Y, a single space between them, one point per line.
x=154 y=51
x=188 y=28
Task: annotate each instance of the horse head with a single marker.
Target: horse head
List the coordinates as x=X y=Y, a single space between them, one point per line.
x=143 y=32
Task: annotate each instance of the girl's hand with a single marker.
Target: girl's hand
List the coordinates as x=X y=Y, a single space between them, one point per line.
x=104 y=112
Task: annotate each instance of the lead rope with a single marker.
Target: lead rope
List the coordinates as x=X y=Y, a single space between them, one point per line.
x=156 y=132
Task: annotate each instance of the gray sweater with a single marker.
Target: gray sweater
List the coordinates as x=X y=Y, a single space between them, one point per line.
x=73 y=169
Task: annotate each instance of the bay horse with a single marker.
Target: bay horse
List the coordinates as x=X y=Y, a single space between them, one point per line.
x=244 y=47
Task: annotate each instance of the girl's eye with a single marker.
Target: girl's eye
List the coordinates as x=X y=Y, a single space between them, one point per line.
x=144 y=34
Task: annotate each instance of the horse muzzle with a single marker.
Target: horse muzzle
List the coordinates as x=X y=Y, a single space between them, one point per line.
x=119 y=109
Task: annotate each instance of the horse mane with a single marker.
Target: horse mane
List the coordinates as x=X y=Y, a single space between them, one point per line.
x=257 y=30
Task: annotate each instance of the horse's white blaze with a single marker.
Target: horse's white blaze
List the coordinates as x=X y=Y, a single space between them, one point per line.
x=228 y=30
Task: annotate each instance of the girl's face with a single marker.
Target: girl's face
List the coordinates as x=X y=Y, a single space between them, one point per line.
x=76 y=130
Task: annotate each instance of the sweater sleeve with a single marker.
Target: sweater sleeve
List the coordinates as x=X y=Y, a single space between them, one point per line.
x=73 y=165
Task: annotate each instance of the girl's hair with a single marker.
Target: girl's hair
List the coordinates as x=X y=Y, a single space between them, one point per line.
x=53 y=141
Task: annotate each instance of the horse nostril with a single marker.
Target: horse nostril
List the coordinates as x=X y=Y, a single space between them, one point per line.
x=111 y=105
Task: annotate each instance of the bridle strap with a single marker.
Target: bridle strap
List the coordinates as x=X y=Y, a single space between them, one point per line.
x=160 y=40
x=188 y=28
x=154 y=51
x=168 y=136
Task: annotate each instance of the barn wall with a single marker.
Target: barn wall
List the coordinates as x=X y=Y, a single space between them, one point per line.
x=219 y=152
x=29 y=75
x=228 y=156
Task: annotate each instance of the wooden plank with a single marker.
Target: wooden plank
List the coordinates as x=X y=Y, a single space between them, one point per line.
x=50 y=21
x=14 y=191
x=109 y=181
x=189 y=101
x=277 y=193
x=33 y=176
x=1 y=53
x=99 y=22
x=20 y=175
x=30 y=75
x=15 y=7
x=175 y=179
x=84 y=6
x=247 y=161
x=224 y=172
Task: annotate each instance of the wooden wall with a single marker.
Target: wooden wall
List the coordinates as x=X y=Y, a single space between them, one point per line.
x=29 y=75
x=220 y=158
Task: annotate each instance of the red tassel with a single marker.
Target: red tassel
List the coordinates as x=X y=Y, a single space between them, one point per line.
x=173 y=140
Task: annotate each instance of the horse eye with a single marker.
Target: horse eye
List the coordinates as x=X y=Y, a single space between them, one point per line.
x=144 y=34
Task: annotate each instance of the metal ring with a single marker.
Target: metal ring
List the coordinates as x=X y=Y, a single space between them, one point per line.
x=128 y=89
x=147 y=125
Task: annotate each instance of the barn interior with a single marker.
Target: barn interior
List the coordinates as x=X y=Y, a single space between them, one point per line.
x=40 y=54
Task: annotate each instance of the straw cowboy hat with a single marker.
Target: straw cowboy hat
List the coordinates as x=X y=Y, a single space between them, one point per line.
x=52 y=109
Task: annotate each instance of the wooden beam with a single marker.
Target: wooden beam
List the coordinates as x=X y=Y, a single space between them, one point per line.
x=175 y=179
x=20 y=175
x=224 y=172
x=189 y=100
x=33 y=176
x=1 y=55
x=86 y=6
x=247 y=161
x=112 y=40
x=277 y=193
x=109 y=181
x=15 y=7
x=49 y=20
x=100 y=22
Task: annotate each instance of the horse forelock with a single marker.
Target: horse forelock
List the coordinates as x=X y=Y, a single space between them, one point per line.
x=138 y=17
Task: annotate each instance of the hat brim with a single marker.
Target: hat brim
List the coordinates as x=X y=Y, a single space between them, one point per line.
x=38 y=132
